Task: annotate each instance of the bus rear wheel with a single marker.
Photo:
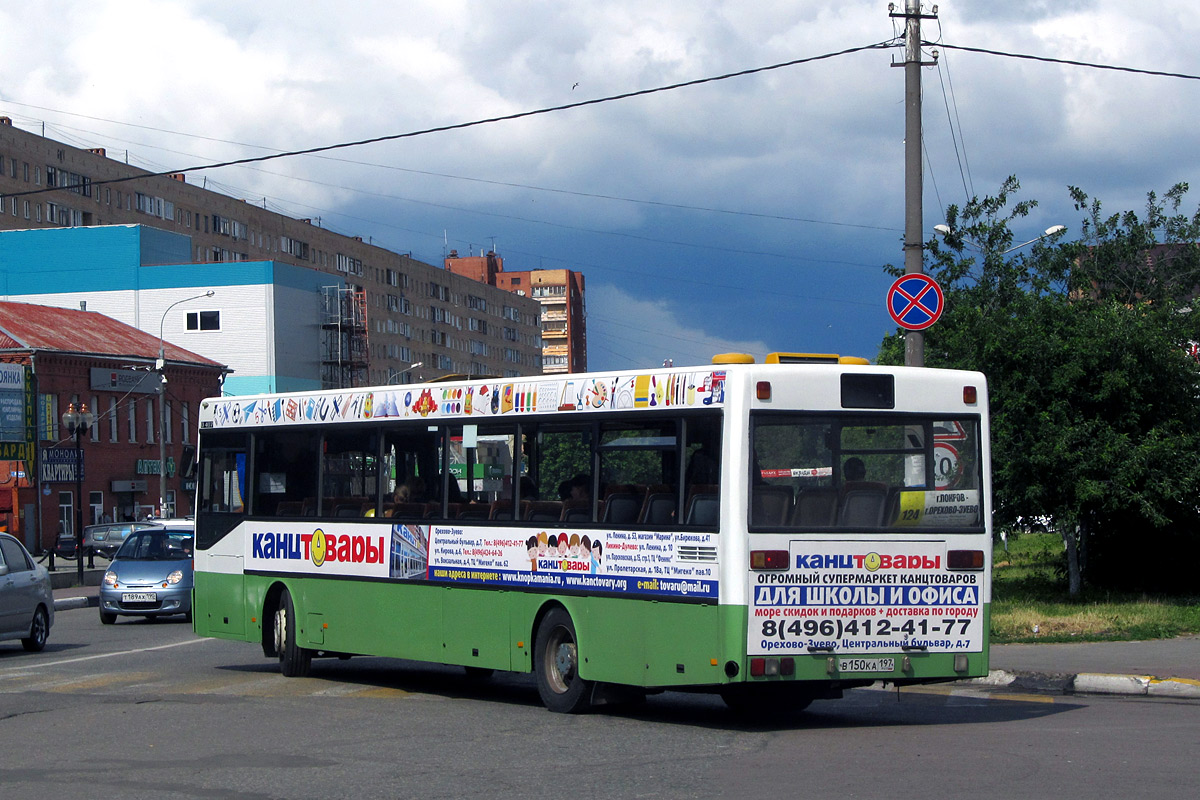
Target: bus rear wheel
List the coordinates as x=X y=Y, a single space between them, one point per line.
x=294 y=661
x=556 y=663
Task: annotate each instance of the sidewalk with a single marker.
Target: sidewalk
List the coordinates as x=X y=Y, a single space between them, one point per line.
x=1155 y=668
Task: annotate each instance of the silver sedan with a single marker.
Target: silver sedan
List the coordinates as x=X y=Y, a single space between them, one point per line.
x=26 y=601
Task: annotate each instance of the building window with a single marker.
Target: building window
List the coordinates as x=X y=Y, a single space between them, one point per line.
x=95 y=407
x=132 y=421
x=96 y=501
x=112 y=419
x=150 y=421
x=66 y=513
x=166 y=426
x=204 y=321
x=183 y=425
x=170 y=512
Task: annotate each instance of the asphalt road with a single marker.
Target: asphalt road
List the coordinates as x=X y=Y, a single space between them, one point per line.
x=142 y=709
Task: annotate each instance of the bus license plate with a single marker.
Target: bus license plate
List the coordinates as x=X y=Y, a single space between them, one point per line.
x=866 y=665
x=139 y=597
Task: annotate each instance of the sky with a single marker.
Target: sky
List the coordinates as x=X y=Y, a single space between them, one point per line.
x=751 y=214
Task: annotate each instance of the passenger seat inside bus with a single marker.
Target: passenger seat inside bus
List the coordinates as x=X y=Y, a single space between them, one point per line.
x=816 y=507
x=863 y=508
x=622 y=505
x=658 y=507
x=543 y=511
x=771 y=505
x=703 y=506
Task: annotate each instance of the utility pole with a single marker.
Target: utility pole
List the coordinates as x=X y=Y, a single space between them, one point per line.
x=914 y=256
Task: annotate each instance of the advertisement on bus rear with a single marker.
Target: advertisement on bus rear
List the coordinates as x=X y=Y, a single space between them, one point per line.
x=859 y=598
x=671 y=564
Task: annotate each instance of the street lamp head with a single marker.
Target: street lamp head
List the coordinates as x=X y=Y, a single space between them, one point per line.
x=1053 y=229
x=943 y=230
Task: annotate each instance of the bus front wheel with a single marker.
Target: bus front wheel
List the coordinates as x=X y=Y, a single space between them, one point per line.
x=556 y=662
x=294 y=661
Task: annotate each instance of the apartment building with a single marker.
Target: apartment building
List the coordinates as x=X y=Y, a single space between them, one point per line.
x=398 y=311
x=561 y=295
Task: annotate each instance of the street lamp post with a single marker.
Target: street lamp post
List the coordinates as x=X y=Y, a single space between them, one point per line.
x=77 y=424
x=945 y=230
x=160 y=367
x=396 y=373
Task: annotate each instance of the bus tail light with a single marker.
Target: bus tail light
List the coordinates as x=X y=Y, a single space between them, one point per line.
x=970 y=395
x=763 y=390
x=964 y=559
x=770 y=667
x=768 y=559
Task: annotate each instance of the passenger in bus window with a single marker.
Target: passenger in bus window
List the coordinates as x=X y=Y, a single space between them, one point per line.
x=854 y=470
x=411 y=491
x=529 y=489
x=581 y=487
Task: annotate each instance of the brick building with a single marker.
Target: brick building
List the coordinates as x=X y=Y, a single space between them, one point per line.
x=400 y=310
x=561 y=295
x=53 y=357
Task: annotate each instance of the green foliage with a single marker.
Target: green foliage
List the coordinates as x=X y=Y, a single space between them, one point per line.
x=1095 y=412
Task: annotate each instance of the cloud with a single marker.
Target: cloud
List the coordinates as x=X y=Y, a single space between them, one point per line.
x=626 y=331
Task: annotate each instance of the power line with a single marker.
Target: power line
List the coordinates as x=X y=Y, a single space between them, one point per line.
x=1068 y=62
x=429 y=173
x=476 y=123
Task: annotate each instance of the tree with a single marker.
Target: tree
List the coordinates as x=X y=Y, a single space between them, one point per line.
x=1095 y=403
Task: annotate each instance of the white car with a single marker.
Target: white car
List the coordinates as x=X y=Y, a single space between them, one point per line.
x=26 y=601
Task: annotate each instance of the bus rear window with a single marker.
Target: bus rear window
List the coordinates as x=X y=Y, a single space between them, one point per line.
x=874 y=472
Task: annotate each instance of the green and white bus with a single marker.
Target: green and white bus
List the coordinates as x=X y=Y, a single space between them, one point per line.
x=774 y=532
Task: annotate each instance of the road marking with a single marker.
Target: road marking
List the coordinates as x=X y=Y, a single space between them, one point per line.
x=44 y=664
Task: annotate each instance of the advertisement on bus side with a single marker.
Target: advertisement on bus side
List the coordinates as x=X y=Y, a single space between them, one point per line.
x=859 y=598
x=661 y=390
x=648 y=563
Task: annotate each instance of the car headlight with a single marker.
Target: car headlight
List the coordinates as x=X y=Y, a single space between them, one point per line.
x=175 y=577
x=110 y=578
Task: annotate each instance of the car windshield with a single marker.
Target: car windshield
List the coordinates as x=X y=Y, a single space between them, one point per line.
x=156 y=546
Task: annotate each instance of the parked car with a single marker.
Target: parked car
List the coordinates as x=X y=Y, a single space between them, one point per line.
x=104 y=539
x=26 y=602
x=65 y=545
x=150 y=574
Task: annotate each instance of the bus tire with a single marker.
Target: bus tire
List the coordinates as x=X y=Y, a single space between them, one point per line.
x=765 y=702
x=294 y=661
x=556 y=663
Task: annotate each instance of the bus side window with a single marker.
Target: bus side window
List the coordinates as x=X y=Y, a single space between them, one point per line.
x=702 y=475
x=350 y=472
x=222 y=487
x=285 y=473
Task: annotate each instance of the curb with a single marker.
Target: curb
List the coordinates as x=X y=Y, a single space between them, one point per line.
x=68 y=603
x=1092 y=683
